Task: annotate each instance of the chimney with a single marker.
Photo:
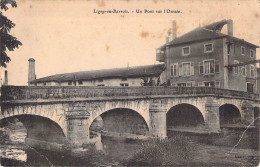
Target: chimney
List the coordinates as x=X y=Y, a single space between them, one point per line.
x=230 y=27
x=174 y=33
x=168 y=36
x=127 y=65
x=6 y=78
x=31 y=71
x=167 y=39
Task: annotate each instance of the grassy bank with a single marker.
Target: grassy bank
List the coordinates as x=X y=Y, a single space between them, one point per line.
x=175 y=151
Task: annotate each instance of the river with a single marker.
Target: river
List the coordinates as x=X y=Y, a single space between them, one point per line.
x=14 y=152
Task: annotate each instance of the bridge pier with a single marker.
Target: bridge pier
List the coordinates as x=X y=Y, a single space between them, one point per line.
x=157 y=111
x=247 y=113
x=78 y=128
x=212 y=115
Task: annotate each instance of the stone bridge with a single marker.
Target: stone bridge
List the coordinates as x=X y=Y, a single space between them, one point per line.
x=58 y=116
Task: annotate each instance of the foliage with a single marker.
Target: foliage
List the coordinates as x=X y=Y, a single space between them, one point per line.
x=7 y=41
x=155 y=152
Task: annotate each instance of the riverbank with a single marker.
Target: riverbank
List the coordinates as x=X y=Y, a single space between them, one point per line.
x=202 y=150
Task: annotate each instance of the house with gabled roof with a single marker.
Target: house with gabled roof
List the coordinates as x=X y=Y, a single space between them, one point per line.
x=207 y=57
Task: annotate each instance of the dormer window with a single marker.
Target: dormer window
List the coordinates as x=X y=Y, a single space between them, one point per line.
x=251 y=53
x=243 y=49
x=186 y=51
x=208 y=48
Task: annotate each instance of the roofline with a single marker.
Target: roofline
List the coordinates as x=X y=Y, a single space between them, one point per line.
x=66 y=80
x=122 y=68
x=225 y=36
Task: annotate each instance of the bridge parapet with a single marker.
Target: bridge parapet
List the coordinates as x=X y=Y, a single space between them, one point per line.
x=59 y=92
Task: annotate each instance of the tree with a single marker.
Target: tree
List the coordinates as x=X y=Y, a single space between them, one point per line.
x=7 y=41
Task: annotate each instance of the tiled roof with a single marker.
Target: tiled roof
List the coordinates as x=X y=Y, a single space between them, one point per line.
x=130 y=72
x=208 y=32
x=197 y=34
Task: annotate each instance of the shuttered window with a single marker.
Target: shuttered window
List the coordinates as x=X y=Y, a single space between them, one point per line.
x=216 y=66
x=236 y=68
x=201 y=67
x=180 y=69
x=192 y=68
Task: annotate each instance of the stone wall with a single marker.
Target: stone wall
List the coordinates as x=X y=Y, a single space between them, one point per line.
x=50 y=92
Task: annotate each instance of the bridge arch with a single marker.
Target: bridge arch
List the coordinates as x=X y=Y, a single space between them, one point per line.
x=123 y=120
x=139 y=106
x=39 y=128
x=52 y=112
x=229 y=114
x=185 y=115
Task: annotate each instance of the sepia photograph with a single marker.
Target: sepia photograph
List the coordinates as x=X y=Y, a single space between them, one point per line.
x=129 y=83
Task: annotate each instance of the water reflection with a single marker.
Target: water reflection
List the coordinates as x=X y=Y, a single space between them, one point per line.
x=13 y=152
x=14 y=149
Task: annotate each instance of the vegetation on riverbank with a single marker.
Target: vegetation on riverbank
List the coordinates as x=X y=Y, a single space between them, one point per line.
x=175 y=151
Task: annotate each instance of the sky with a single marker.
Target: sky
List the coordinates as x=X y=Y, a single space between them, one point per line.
x=68 y=36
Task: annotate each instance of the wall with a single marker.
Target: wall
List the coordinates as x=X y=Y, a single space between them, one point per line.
x=238 y=81
x=60 y=92
x=258 y=81
x=174 y=55
x=105 y=82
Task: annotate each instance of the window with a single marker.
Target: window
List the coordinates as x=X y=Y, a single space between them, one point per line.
x=252 y=70
x=200 y=84
x=181 y=84
x=174 y=70
x=208 y=48
x=186 y=51
x=209 y=67
x=250 y=87
x=185 y=69
x=186 y=84
x=123 y=79
x=44 y=83
x=243 y=70
x=124 y=84
x=80 y=82
x=209 y=83
x=251 y=53
x=69 y=82
x=236 y=68
x=100 y=85
x=243 y=49
x=100 y=80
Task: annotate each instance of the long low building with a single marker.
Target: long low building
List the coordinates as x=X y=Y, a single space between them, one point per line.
x=128 y=76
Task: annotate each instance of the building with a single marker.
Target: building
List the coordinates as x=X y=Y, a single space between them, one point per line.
x=129 y=76
x=207 y=57
x=258 y=81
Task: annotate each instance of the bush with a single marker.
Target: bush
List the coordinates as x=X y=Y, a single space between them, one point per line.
x=174 y=151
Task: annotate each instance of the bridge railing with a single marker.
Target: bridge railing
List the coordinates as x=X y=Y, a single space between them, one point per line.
x=52 y=92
